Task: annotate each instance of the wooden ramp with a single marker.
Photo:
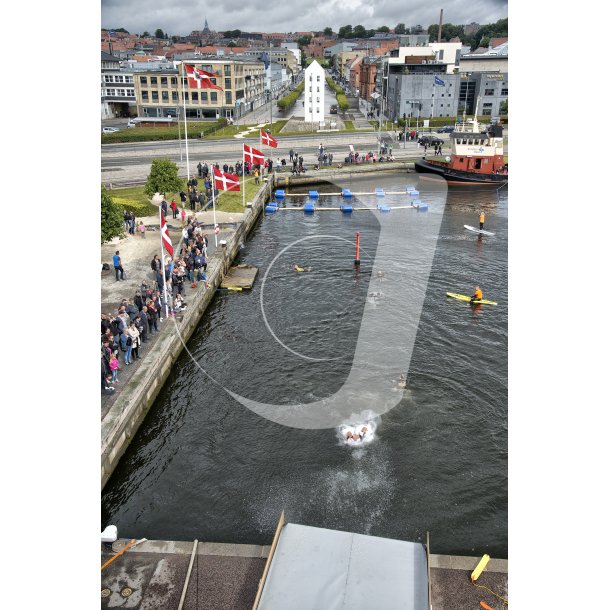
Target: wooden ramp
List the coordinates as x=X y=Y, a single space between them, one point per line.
x=239 y=277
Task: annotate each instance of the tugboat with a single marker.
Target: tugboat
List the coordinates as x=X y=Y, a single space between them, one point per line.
x=477 y=157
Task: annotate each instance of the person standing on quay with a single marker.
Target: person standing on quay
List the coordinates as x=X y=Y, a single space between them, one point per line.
x=481 y=219
x=118 y=267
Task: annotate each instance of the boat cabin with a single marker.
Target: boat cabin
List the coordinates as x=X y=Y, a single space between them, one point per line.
x=475 y=150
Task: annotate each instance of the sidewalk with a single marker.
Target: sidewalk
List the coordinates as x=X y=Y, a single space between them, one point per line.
x=136 y=254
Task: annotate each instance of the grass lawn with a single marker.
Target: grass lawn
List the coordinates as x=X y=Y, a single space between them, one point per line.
x=134 y=199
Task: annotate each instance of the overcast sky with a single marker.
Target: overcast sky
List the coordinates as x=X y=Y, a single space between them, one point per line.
x=181 y=17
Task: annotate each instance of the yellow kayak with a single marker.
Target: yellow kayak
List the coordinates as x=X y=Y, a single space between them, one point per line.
x=463 y=297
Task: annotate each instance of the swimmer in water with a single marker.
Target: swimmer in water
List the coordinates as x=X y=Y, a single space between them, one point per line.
x=402 y=382
x=295 y=267
x=363 y=431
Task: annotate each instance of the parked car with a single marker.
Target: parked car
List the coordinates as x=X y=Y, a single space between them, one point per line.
x=446 y=129
x=334 y=109
x=109 y=129
x=430 y=141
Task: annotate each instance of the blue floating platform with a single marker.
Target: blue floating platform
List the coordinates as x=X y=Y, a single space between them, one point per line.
x=313 y=194
x=414 y=193
x=309 y=208
x=379 y=192
x=384 y=208
x=270 y=209
x=280 y=194
x=346 y=209
x=416 y=202
x=346 y=193
x=422 y=207
x=410 y=187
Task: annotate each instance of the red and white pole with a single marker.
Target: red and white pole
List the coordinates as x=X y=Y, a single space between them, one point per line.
x=357 y=259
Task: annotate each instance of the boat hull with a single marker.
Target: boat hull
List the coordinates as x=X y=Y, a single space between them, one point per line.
x=459 y=177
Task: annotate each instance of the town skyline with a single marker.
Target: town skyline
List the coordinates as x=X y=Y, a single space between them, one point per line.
x=170 y=17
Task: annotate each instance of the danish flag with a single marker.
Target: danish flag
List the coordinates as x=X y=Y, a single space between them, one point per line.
x=226 y=182
x=167 y=242
x=200 y=79
x=268 y=139
x=253 y=155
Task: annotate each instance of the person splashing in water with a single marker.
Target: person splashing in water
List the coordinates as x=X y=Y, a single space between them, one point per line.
x=402 y=382
x=299 y=269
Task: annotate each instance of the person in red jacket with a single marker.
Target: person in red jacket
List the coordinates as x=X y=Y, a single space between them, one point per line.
x=174 y=208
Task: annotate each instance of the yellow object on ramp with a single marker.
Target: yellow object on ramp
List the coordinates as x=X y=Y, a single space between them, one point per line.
x=463 y=297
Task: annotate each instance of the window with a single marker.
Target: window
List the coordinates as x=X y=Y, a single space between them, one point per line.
x=227 y=70
x=155 y=96
x=143 y=80
x=107 y=78
x=204 y=96
x=153 y=80
x=227 y=83
x=486 y=111
x=195 y=97
x=318 y=78
x=131 y=93
x=119 y=79
x=504 y=92
x=213 y=97
x=228 y=97
x=317 y=100
x=487 y=105
x=174 y=96
x=164 y=81
x=489 y=91
x=165 y=96
x=318 y=89
x=317 y=110
x=174 y=81
x=110 y=92
x=145 y=96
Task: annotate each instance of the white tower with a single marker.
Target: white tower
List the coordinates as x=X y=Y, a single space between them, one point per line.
x=314 y=92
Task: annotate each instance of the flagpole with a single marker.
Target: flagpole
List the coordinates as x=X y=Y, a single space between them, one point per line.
x=214 y=204
x=163 y=263
x=186 y=136
x=243 y=175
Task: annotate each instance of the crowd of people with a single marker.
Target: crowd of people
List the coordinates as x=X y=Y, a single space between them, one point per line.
x=125 y=332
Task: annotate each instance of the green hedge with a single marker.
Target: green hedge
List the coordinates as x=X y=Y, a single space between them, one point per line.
x=163 y=132
x=288 y=101
x=340 y=94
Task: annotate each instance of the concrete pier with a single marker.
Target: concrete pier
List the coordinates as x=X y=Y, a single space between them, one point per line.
x=154 y=575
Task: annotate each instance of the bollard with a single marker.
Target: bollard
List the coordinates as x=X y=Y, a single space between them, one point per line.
x=357 y=259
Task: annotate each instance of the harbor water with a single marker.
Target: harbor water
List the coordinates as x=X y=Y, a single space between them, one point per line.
x=204 y=466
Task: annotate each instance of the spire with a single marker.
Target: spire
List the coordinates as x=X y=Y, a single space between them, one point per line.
x=206 y=27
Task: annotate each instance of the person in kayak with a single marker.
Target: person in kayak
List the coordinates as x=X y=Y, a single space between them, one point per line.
x=481 y=219
x=477 y=296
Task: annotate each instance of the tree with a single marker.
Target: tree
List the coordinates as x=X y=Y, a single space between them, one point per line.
x=174 y=39
x=303 y=41
x=231 y=44
x=359 y=32
x=159 y=33
x=384 y=28
x=145 y=35
x=400 y=29
x=504 y=107
x=345 y=31
x=484 y=42
x=112 y=218
x=328 y=31
x=163 y=178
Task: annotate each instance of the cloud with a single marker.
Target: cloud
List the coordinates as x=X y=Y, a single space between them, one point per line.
x=179 y=17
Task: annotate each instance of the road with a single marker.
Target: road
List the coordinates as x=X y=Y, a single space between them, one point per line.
x=131 y=161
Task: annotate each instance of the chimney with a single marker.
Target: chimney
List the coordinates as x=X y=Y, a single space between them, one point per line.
x=440 y=26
